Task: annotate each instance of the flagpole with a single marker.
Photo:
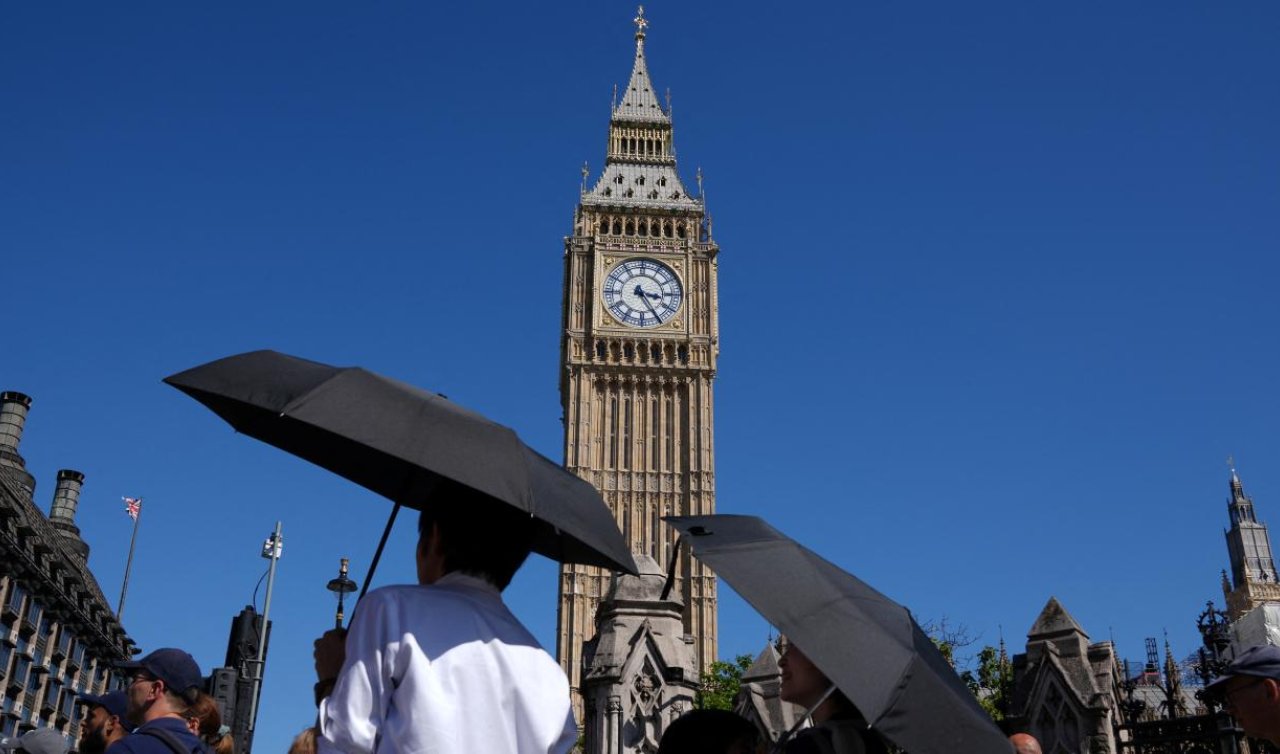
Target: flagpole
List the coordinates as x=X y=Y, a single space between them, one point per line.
x=128 y=566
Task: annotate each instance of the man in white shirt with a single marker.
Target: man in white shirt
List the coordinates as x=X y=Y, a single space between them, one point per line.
x=444 y=666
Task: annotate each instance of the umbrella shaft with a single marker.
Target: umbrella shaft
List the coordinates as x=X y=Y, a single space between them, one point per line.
x=377 y=555
x=782 y=742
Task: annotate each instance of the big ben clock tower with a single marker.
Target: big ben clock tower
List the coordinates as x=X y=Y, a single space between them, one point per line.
x=638 y=351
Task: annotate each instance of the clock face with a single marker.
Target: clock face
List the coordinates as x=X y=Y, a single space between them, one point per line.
x=642 y=293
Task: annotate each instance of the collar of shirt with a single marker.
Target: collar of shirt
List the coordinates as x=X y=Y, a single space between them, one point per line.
x=466 y=581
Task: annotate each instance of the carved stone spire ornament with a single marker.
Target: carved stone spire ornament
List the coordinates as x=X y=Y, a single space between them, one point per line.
x=639 y=671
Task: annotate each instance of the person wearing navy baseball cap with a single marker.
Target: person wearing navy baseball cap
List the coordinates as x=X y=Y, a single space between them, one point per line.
x=105 y=723
x=162 y=685
x=1249 y=689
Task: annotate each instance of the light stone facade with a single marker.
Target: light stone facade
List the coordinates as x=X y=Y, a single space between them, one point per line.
x=639 y=671
x=638 y=350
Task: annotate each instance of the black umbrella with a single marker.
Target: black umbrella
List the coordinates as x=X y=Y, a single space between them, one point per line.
x=401 y=441
x=867 y=644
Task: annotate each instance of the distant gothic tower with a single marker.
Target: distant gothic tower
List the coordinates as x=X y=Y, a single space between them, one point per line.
x=638 y=351
x=1253 y=571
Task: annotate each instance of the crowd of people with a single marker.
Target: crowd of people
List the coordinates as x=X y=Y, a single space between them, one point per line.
x=444 y=666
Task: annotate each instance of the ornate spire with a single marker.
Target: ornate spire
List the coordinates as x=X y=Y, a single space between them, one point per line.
x=1237 y=489
x=1253 y=570
x=640 y=165
x=639 y=101
x=1239 y=504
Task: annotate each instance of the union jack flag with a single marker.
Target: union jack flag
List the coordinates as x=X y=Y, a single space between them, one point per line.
x=133 y=506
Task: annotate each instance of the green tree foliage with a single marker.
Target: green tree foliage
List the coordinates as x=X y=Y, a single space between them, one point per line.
x=721 y=682
x=990 y=679
x=988 y=675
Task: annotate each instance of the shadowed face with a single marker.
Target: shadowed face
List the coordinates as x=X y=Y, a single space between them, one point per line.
x=143 y=692
x=94 y=738
x=1255 y=704
x=802 y=682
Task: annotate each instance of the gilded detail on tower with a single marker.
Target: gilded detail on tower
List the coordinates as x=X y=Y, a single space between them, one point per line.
x=638 y=351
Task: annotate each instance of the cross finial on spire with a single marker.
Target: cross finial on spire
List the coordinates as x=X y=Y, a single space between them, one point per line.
x=1231 y=464
x=640 y=22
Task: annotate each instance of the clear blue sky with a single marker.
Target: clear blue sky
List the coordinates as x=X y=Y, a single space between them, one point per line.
x=998 y=281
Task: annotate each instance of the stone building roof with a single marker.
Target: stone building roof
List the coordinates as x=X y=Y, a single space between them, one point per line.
x=655 y=185
x=38 y=554
x=1054 y=620
x=45 y=554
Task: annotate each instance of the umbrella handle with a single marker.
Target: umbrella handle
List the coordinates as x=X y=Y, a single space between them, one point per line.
x=377 y=555
x=782 y=741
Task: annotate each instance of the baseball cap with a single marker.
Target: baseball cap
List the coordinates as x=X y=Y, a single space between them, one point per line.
x=114 y=702
x=1262 y=661
x=176 y=668
x=38 y=741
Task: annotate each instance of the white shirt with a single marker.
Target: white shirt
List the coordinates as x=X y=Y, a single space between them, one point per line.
x=445 y=669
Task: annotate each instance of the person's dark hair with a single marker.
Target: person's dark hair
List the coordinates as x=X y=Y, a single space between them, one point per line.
x=180 y=702
x=479 y=535
x=707 y=731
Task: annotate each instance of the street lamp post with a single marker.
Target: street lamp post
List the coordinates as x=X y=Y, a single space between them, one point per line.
x=341 y=587
x=271 y=550
x=1215 y=630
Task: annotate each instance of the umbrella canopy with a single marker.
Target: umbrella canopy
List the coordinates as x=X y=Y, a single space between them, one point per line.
x=400 y=441
x=867 y=644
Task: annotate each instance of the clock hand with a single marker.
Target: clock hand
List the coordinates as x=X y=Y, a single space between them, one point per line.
x=647 y=295
x=649 y=304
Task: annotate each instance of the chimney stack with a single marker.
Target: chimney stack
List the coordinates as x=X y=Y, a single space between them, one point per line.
x=62 y=515
x=13 y=416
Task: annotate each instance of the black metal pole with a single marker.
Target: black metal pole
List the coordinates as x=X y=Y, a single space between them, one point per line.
x=377 y=555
